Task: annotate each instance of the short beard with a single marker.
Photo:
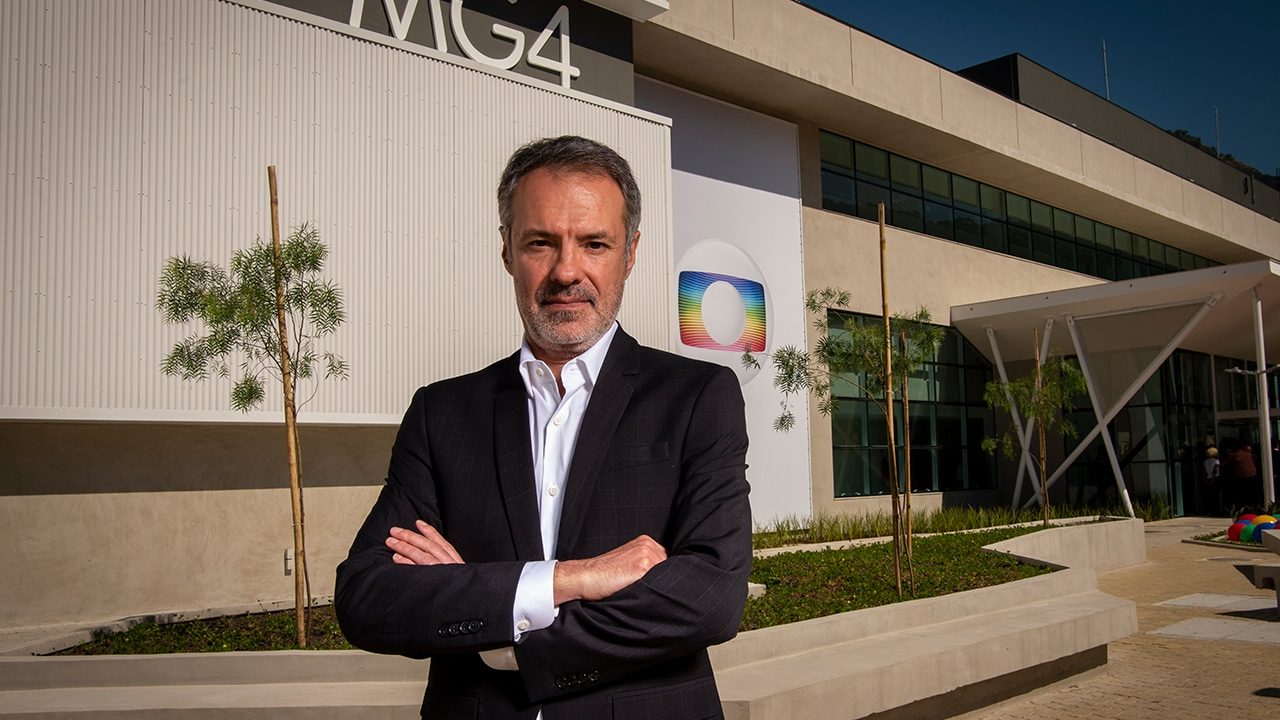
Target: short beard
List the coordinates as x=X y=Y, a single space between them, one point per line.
x=546 y=327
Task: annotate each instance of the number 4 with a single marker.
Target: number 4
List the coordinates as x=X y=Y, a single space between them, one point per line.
x=563 y=65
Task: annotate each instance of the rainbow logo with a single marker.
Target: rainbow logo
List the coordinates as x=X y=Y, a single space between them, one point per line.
x=692 y=290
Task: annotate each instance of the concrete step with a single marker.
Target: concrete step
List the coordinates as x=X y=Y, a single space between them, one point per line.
x=282 y=701
x=212 y=686
x=188 y=669
x=881 y=672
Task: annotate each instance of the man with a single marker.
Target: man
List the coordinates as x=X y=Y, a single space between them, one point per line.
x=566 y=531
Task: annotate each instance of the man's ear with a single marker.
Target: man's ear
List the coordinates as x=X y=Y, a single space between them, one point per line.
x=506 y=248
x=631 y=253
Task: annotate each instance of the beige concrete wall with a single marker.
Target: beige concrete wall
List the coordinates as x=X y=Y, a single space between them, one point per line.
x=106 y=556
x=841 y=251
x=783 y=58
x=112 y=520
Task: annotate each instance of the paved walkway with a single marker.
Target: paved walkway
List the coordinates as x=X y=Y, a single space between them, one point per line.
x=1206 y=671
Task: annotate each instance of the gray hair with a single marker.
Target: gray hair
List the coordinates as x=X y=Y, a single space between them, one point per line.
x=572 y=154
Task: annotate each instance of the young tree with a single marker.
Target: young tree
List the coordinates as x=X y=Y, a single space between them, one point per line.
x=1044 y=397
x=854 y=354
x=271 y=298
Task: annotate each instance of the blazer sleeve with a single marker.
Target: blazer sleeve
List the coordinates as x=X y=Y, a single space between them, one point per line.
x=413 y=610
x=692 y=600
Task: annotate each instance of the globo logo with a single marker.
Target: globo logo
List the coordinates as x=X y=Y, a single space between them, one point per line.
x=723 y=305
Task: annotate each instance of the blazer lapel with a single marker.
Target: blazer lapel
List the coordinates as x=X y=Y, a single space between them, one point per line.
x=515 y=463
x=609 y=400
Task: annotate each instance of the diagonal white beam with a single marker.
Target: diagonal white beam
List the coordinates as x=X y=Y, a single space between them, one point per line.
x=1135 y=386
x=1026 y=466
x=1082 y=357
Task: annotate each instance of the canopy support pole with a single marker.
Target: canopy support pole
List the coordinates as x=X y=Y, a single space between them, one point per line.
x=1096 y=403
x=1026 y=466
x=1264 y=404
x=1135 y=386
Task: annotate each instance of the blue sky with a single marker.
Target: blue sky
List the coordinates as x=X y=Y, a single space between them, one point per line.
x=1170 y=61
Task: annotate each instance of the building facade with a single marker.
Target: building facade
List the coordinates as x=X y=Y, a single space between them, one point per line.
x=763 y=135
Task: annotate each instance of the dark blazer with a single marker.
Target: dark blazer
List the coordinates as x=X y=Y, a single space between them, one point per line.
x=661 y=452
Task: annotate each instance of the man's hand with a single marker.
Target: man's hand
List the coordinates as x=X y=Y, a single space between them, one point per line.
x=603 y=575
x=424 y=547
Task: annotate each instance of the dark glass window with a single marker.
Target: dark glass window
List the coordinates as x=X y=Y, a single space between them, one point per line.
x=856 y=177
x=965 y=192
x=1064 y=224
x=948 y=422
x=1064 y=254
x=938 y=221
x=837 y=193
x=1106 y=265
x=1104 y=236
x=904 y=173
x=1041 y=218
x=1124 y=268
x=968 y=229
x=1019 y=242
x=868 y=197
x=992 y=202
x=1124 y=243
x=1140 y=249
x=1019 y=210
x=1084 y=231
x=908 y=212
x=1155 y=252
x=872 y=162
x=937 y=184
x=836 y=150
x=993 y=235
x=1086 y=261
x=1042 y=248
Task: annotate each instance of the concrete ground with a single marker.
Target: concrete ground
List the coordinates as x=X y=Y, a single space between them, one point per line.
x=1207 y=647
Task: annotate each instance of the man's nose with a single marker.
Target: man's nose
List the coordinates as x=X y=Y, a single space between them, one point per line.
x=568 y=266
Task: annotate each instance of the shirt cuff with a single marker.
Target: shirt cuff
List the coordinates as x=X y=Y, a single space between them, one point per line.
x=534 y=607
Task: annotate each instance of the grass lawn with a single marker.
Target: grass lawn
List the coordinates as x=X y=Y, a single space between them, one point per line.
x=806 y=585
x=801 y=585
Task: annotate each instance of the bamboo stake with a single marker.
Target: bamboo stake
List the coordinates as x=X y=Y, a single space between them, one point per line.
x=290 y=421
x=888 y=410
x=1036 y=402
x=906 y=450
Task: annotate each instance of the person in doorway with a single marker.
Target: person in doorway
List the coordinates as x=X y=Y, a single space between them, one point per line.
x=1245 y=470
x=1210 y=480
x=566 y=531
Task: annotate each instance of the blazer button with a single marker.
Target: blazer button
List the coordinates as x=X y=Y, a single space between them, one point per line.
x=561 y=684
x=454 y=628
x=593 y=676
x=442 y=631
x=473 y=625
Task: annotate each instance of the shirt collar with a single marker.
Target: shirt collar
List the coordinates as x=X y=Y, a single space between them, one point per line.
x=589 y=362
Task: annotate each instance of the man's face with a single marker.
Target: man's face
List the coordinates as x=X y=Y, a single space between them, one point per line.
x=567 y=256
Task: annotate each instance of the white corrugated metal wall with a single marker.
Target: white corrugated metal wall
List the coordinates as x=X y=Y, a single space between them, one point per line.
x=135 y=130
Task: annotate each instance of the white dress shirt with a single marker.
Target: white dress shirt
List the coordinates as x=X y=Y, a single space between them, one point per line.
x=554 y=422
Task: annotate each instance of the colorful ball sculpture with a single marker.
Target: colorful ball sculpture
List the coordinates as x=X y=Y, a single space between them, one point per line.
x=1257 y=531
x=1248 y=528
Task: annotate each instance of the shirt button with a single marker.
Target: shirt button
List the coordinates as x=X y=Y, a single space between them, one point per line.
x=522 y=625
x=539 y=372
x=553 y=490
x=557 y=420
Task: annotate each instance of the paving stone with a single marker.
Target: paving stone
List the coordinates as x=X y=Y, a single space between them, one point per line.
x=1161 y=675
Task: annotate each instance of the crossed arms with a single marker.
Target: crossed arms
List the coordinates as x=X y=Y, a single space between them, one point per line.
x=432 y=572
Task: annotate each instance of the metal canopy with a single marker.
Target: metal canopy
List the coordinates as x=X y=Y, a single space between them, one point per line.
x=1218 y=310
